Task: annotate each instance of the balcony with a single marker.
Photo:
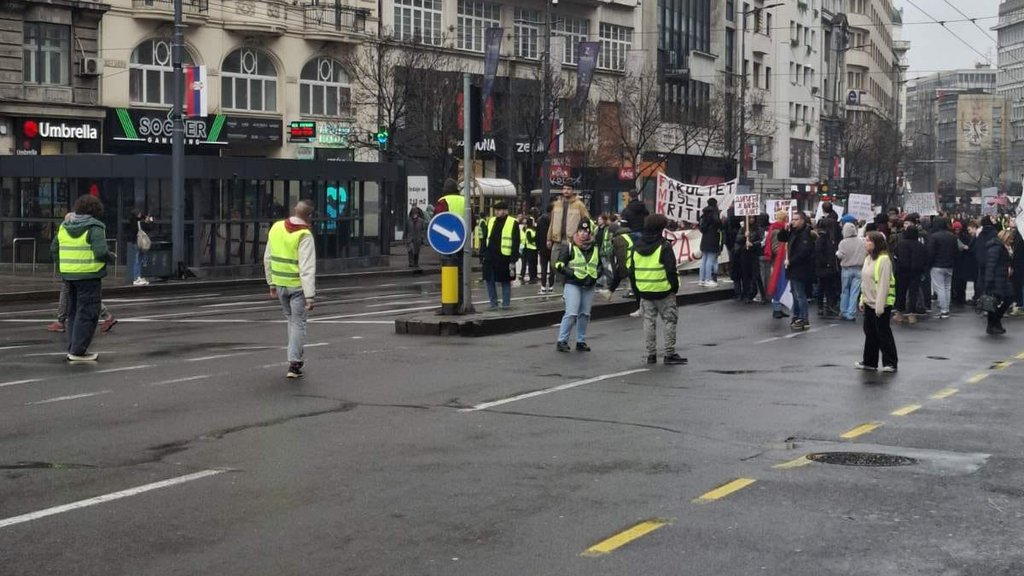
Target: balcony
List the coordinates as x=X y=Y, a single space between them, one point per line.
x=334 y=22
x=192 y=10
x=258 y=17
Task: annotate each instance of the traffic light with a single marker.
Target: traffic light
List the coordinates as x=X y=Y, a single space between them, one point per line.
x=383 y=137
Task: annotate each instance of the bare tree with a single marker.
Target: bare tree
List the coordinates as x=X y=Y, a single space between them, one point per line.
x=874 y=151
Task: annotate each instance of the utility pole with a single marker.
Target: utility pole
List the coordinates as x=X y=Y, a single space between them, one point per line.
x=467 y=190
x=177 y=143
x=545 y=171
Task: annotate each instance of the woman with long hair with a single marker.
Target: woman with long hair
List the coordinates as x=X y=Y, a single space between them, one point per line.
x=998 y=279
x=877 y=298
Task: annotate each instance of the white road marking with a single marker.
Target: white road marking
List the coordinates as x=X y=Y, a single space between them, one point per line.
x=17 y=382
x=215 y=357
x=13 y=347
x=189 y=298
x=63 y=398
x=180 y=380
x=38 y=354
x=420 y=301
x=107 y=498
x=124 y=369
x=406 y=310
x=357 y=337
x=317 y=345
x=795 y=334
x=274 y=365
x=388 y=322
x=560 y=388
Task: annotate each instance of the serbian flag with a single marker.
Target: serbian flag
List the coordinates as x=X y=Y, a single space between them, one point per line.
x=778 y=284
x=195 y=92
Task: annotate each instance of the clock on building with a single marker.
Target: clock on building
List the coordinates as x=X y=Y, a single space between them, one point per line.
x=975 y=131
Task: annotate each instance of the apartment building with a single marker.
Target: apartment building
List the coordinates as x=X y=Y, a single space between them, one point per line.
x=1010 y=82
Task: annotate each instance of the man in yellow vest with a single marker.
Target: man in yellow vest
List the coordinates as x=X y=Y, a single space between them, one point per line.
x=500 y=251
x=290 y=264
x=453 y=201
x=652 y=271
x=80 y=251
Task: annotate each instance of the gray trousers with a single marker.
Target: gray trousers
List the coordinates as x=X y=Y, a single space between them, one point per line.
x=667 y=310
x=62 y=305
x=293 y=302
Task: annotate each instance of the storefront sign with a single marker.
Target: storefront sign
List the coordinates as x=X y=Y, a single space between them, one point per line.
x=333 y=135
x=30 y=132
x=258 y=131
x=301 y=131
x=151 y=131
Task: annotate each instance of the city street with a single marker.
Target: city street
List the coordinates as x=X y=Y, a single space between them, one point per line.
x=184 y=450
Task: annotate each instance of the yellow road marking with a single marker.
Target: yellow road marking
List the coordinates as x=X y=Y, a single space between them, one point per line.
x=1020 y=356
x=977 y=378
x=860 y=430
x=908 y=409
x=801 y=461
x=625 y=537
x=1002 y=365
x=724 y=490
x=941 y=394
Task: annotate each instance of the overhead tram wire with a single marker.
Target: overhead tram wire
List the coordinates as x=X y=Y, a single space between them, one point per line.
x=973 y=21
x=954 y=34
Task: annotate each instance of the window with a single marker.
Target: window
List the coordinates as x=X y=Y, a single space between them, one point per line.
x=324 y=89
x=47 y=52
x=730 y=10
x=768 y=24
x=249 y=81
x=528 y=23
x=615 y=42
x=474 y=18
x=575 y=30
x=768 y=78
x=150 y=75
x=418 y=21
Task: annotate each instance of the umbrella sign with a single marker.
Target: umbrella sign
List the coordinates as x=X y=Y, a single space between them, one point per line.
x=447 y=233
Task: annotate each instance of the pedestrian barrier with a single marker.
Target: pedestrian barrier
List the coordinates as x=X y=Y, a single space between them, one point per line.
x=14 y=253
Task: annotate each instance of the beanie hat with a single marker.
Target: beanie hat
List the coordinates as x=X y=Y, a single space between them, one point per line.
x=451 y=186
x=655 y=223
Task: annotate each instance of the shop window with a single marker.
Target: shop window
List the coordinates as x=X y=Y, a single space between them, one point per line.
x=151 y=77
x=47 y=54
x=474 y=17
x=249 y=81
x=324 y=89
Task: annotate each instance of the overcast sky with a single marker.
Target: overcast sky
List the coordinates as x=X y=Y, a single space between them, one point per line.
x=934 y=48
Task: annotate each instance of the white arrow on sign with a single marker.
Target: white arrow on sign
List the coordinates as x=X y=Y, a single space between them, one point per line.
x=449 y=234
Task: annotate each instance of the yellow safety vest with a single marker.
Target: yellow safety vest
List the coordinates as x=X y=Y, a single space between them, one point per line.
x=530 y=243
x=890 y=300
x=581 y=267
x=651 y=277
x=506 y=234
x=75 y=255
x=284 y=255
x=456 y=204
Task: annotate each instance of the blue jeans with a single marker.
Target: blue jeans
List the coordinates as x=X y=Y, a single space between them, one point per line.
x=506 y=293
x=799 y=289
x=136 y=258
x=708 y=266
x=293 y=303
x=578 y=301
x=851 y=292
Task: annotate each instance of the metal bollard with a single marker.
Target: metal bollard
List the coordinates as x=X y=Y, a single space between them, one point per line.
x=14 y=253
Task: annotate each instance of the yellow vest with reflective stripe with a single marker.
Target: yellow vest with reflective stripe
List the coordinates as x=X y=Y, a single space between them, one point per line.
x=284 y=255
x=890 y=300
x=581 y=267
x=456 y=204
x=75 y=255
x=506 y=234
x=530 y=242
x=651 y=277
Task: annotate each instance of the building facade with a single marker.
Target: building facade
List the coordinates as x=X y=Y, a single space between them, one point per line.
x=1010 y=42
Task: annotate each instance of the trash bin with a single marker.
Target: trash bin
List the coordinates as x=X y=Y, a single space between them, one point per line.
x=158 y=261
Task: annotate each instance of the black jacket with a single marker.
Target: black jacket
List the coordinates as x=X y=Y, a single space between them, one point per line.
x=985 y=235
x=711 y=230
x=543 y=223
x=801 y=255
x=997 y=270
x=634 y=214
x=647 y=244
x=943 y=248
x=826 y=263
x=911 y=254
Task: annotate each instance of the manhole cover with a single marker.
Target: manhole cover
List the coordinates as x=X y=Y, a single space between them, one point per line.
x=861 y=459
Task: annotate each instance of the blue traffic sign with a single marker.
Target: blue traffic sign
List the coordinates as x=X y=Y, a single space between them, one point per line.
x=447 y=233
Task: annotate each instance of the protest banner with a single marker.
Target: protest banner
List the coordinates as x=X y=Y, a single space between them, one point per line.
x=820 y=212
x=747 y=205
x=685 y=202
x=989 y=201
x=686 y=247
x=1020 y=217
x=859 y=205
x=921 y=202
x=773 y=206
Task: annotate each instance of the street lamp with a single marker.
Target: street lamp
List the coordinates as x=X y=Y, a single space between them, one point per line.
x=743 y=83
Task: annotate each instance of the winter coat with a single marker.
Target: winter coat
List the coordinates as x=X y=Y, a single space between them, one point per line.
x=711 y=230
x=97 y=235
x=496 y=265
x=985 y=235
x=634 y=213
x=997 y=270
x=772 y=240
x=851 y=252
x=801 y=255
x=943 y=247
x=620 y=252
x=646 y=246
x=415 y=234
x=966 y=261
x=572 y=213
x=826 y=263
x=565 y=257
x=911 y=254
x=543 y=224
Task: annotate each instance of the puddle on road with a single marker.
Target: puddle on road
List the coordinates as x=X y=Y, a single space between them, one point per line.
x=44 y=466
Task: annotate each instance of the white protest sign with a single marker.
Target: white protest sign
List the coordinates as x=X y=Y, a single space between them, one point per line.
x=859 y=205
x=686 y=246
x=820 y=213
x=747 y=205
x=989 y=201
x=685 y=202
x=1020 y=217
x=921 y=202
x=773 y=206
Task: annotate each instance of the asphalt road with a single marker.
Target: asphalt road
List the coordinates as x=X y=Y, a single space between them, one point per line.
x=185 y=451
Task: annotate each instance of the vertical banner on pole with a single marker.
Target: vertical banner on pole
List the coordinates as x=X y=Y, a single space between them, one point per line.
x=585 y=70
x=492 y=47
x=196 y=104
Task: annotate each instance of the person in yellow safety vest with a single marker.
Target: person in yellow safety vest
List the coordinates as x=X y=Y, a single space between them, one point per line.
x=529 y=231
x=579 y=263
x=652 y=271
x=877 y=298
x=499 y=252
x=80 y=251
x=290 y=265
x=452 y=200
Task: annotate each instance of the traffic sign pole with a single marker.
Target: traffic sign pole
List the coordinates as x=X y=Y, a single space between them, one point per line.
x=447 y=234
x=467 y=187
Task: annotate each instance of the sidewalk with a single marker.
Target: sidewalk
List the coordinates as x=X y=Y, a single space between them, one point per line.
x=530 y=311
x=25 y=286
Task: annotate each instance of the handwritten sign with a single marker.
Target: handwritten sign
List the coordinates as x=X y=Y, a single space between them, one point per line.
x=774 y=206
x=686 y=247
x=685 y=202
x=859 y=205
x=921 y=202
x=820 y=212
x=1020 y=218
x=747 y=205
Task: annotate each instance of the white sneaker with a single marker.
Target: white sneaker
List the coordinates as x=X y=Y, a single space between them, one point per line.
x=87 y=357
x=635 y=314
x=711 y=284
x=543 y=290
x=515 y=284
x=140 y=281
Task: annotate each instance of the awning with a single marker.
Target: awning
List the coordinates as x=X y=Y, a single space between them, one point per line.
x=494 y=188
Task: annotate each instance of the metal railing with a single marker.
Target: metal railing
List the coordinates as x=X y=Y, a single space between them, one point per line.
x=187 y=6
x=335 y=17
x=14 y=253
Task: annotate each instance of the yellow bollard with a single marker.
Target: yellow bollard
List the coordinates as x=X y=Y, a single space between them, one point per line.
x=449 y=289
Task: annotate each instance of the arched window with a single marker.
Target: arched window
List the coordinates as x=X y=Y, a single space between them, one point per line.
x=249 y=81
x=151 y=78
x=324 y=88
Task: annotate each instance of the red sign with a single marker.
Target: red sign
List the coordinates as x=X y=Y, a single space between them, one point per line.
x=627 y=173
x=30 y=128
x=301 y=131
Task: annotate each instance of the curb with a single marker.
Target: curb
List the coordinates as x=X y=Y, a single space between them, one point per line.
x=510 y=323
